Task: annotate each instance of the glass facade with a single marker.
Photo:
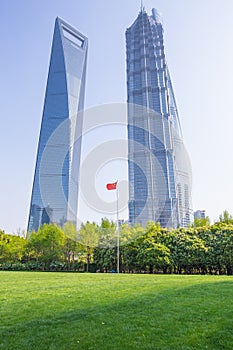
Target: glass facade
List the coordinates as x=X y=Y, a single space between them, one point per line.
x=55 y=187
x=159 y=169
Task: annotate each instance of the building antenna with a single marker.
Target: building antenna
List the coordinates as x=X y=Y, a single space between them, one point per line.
x=142 y=6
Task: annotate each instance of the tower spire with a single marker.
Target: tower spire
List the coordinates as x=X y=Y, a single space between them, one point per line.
x=142 y=6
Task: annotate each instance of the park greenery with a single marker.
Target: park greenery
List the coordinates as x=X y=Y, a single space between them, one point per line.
x=199 y=249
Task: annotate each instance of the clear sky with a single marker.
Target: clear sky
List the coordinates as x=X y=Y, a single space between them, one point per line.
x=198 y=43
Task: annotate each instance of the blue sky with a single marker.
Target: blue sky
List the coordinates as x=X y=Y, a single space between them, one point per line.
x=198 y=42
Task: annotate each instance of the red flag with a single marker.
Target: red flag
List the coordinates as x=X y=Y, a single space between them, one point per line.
x=112 y=186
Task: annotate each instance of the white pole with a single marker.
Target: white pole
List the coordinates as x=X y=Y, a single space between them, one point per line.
x=118 y=236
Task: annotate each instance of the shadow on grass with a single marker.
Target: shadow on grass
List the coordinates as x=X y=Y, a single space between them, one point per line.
x=196 y=317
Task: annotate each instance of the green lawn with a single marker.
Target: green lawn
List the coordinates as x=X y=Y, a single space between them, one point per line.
x=46 y=311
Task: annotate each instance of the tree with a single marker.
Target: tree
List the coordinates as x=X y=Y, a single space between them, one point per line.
x=226 y=217
x=11 y=248
x=47 y=245
x=88 y=238
x=129 y=237
x=187 y=251
x=201 y=222
x=227 y=257
x=105 y=252
x=153 y=255
x=70 y=245
x=4 y=247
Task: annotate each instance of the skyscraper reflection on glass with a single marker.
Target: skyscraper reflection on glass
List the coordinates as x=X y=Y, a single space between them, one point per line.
x=55 y=187
x=159 y=169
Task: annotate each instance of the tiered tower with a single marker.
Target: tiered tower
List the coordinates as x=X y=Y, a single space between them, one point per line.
x=159 y=170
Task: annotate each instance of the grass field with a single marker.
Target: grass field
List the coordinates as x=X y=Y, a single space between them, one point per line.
x=64 y=311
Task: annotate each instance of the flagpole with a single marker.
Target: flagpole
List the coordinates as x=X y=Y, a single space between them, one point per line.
x=118 y=234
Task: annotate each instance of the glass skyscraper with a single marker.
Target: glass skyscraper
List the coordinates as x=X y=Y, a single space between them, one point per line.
x=55 y=187
x=159 y=169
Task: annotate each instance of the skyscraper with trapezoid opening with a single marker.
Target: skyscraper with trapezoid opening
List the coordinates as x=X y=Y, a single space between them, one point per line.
x=159 y=168
x=55 y=187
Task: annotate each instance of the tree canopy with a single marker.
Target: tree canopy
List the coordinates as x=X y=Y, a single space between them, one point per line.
x=202 y=248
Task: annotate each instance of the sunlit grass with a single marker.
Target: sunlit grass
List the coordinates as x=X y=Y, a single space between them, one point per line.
x=108 y=311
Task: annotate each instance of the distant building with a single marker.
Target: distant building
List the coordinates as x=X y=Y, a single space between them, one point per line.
x=159 y=173
x=122 y=222
x=199 y=214
x=55 y=187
